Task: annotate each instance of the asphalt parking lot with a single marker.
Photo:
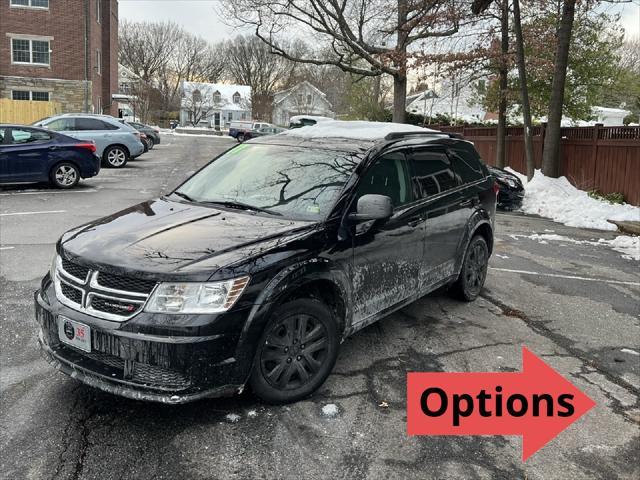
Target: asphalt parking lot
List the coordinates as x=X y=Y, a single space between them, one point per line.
x=551 y=288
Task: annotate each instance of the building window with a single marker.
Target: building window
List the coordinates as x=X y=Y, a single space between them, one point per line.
x=300 y=99
x=230 y=117
x=236 y=97
x=40 y=96
x=98 y=61
x=29 y=95
x=30 y=51
x=30 y=3
x=308 y=99
x=217 y=98
x=98 y=11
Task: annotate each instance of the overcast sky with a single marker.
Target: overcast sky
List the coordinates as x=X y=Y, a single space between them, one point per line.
x=201 y=16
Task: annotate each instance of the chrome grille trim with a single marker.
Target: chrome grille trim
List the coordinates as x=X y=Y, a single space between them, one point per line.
x=91 y=288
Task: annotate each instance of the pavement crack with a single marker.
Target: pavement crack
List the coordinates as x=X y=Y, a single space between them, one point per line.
x=541 y=328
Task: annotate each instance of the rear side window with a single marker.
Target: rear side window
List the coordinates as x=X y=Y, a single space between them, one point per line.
x=388 y=176
x=432 y=172
x=93 y=124
x=20 y=136
x=466 y=162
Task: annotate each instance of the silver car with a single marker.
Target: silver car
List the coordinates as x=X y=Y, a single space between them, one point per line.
x=116 y=143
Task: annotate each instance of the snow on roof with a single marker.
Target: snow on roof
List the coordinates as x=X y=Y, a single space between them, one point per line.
x=357 y=130
x=227 y=91
x=280 y=96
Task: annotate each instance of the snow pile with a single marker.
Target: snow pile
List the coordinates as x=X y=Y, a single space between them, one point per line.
x=357 y=130
x=625 y=244
x=557 y=199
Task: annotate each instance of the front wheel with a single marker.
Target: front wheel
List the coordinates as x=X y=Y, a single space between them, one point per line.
x=240 y=137
x=474 y=270
x=65 y=175
x=296 y=353
x=115 y=157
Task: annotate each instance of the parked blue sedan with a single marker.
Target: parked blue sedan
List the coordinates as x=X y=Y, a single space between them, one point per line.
x=30 y=154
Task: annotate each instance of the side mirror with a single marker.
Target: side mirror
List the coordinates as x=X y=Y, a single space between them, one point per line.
x=372 y=207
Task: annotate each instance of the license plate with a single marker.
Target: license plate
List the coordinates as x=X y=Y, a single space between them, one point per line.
x=74 y=333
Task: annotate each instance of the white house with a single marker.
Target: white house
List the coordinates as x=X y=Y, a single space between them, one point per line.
x=454 y=99
x=301 y=99
x=214 y=104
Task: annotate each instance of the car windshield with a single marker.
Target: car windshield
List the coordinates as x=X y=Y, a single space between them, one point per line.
x=294 y=182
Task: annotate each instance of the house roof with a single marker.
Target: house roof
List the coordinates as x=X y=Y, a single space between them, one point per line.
x=279 y=97
x=227 y=91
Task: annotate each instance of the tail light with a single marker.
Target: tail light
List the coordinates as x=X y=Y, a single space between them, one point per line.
x=496 y=187
x=91 y=146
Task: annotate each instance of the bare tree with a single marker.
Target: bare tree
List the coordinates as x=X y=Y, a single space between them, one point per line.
x=198 y=106
x=146 y=47
x=365 y=37
x=249 y=61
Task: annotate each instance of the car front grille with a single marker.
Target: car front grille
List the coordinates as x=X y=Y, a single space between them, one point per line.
x=128 y=284
x=75 y=270
x=100 y=294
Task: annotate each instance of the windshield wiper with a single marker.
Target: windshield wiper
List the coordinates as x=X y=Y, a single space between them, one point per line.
x=184 y=195
x=241 y=206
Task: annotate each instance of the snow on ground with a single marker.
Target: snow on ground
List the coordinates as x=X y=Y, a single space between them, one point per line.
x=557 y=199
x=625 y=244
x=232 y=417
x=330 y=410
x=358 y=130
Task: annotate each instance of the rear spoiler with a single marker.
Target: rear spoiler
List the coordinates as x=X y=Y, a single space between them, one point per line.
x=400 y=135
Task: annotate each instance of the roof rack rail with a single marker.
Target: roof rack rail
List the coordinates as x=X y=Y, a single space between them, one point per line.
x=399 y=135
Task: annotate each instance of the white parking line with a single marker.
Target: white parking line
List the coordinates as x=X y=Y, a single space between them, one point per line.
x=47 y=192
x=7 y=248
x=569 y=277
x=31 y=213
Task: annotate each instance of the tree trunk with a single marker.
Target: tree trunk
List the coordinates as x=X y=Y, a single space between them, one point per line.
x=551 y=151
x=524 y=90
x=503 y=72
x=400 y=78
x=399 y=98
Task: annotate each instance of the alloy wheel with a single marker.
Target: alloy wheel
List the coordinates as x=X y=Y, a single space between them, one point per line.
x=476 y=267
x=294 y=352
x=66 y=175
x=116 y=157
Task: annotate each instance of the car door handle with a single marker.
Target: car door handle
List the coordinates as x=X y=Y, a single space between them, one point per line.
x=53 y=148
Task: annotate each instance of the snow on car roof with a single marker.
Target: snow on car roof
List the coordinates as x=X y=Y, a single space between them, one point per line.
x=357 y=130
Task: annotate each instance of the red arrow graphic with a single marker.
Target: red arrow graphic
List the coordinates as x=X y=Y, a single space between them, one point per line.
x=536 y=403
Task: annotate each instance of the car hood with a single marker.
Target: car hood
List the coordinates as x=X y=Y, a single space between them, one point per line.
x=162 y=236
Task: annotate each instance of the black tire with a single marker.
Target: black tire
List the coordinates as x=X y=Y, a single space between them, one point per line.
x=286 y=366
x=240 y=137
x=474 y=270
x=151 y=142
x=115 y=156
x=64 y=175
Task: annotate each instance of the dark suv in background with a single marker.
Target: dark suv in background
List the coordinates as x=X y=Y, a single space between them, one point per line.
x=258 y=266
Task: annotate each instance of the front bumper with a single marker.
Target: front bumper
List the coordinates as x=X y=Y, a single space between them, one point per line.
x=509 y=198
x=167 y=369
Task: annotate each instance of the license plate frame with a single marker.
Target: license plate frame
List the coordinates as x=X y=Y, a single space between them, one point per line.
x=74 y=334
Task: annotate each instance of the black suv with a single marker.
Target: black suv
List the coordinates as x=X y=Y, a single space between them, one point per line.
x=258 y=266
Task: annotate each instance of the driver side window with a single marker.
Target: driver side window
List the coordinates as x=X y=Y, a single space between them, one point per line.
x=388 y=176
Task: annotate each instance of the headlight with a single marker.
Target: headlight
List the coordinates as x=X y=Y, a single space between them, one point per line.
x=189 y=297
x=54 y=264
x=511 y=182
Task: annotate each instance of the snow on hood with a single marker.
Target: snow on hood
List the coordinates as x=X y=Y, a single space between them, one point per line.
x=557 y=199
x=357 y=130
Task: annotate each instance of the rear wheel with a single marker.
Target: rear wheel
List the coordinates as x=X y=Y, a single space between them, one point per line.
x=115 y=156
x=240 y=137
x=474 y=270
x=65 y=175
x=296 y=352
x=151 y=143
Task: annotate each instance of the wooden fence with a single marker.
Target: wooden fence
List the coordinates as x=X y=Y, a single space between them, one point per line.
x=600 y=158
x=24 y=112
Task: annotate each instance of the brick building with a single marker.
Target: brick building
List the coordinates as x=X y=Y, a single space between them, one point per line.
x=63 y=51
